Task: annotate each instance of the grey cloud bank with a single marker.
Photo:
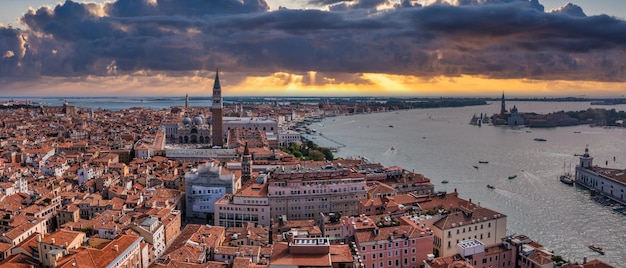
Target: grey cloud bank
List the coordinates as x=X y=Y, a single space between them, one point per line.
x=493 y=38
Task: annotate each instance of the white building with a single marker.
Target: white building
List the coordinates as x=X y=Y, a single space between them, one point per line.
x=609 y=182
x=204 y=186
x=152 y=230
x=197 y=155
x=248 y=205
x=19 y=185
x=87 y=173
x=250 y=123
x=466 y=221
x=285 y=138
x=305 y=192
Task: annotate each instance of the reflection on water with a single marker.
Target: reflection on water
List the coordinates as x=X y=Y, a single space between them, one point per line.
x=440 y=144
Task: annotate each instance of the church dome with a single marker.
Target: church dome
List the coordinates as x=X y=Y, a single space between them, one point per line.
x=186 y=120
x=198 y=120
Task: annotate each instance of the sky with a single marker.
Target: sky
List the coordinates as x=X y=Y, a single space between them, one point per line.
x=424 y=48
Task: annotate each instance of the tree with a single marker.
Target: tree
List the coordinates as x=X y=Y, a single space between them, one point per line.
x=328 y=154
x=316 y=155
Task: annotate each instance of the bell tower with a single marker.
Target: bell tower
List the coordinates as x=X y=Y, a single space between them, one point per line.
x=586 y=161
x=217 y=112
x=246 y=165
x=503 y=105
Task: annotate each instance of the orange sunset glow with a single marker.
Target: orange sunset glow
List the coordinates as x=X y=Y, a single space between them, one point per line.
x=318 y=48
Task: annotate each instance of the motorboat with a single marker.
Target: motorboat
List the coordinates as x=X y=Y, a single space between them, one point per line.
x=596 y=248
x=567 y=179
x=512 y=177
x=491 y=187
x=539 y=139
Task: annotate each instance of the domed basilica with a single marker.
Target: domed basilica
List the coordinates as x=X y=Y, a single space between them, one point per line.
x=192 y=131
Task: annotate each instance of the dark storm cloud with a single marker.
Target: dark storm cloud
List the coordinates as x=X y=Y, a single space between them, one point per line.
x=571 y=10
x=491 y=38
x=325 y=2
x=134 y=8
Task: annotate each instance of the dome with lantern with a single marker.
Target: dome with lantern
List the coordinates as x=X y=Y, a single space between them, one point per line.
x=186 y=120
x=198 y=120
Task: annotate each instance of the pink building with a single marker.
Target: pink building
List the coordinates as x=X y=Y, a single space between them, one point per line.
x=389 y=242
x=473 y=253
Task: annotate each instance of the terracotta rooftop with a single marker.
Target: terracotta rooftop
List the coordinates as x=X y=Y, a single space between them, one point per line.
x=450 y=262
x=281 y=256
x=340 y=254
x=617 y=175
x=61 y=237
x=590 y=264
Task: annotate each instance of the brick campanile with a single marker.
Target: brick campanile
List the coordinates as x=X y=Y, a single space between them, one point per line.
x=217 y=113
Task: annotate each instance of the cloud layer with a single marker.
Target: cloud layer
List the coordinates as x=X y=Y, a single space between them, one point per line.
x=487 y=38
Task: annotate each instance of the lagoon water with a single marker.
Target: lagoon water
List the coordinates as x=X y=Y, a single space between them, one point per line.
x=440 y=144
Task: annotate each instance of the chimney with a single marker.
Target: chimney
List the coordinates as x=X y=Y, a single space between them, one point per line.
x=584 y=260
x=53 y=240
x=116 y=248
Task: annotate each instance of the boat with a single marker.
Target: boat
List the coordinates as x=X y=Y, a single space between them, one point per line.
x=483 y=162
x=566 y=177
x=619 y=209
x=491 y=187
x=393 y=148
x=577 y=132
x=596 y=248
x=476 y=167
x=512 y=177
x=391 y=126
x=540 y=139
x=444 y=181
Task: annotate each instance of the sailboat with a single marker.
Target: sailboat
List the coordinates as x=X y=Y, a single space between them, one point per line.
x=566 y=177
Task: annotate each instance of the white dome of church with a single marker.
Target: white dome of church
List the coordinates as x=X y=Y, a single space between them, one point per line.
x=186 y=120
x=198 y=120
